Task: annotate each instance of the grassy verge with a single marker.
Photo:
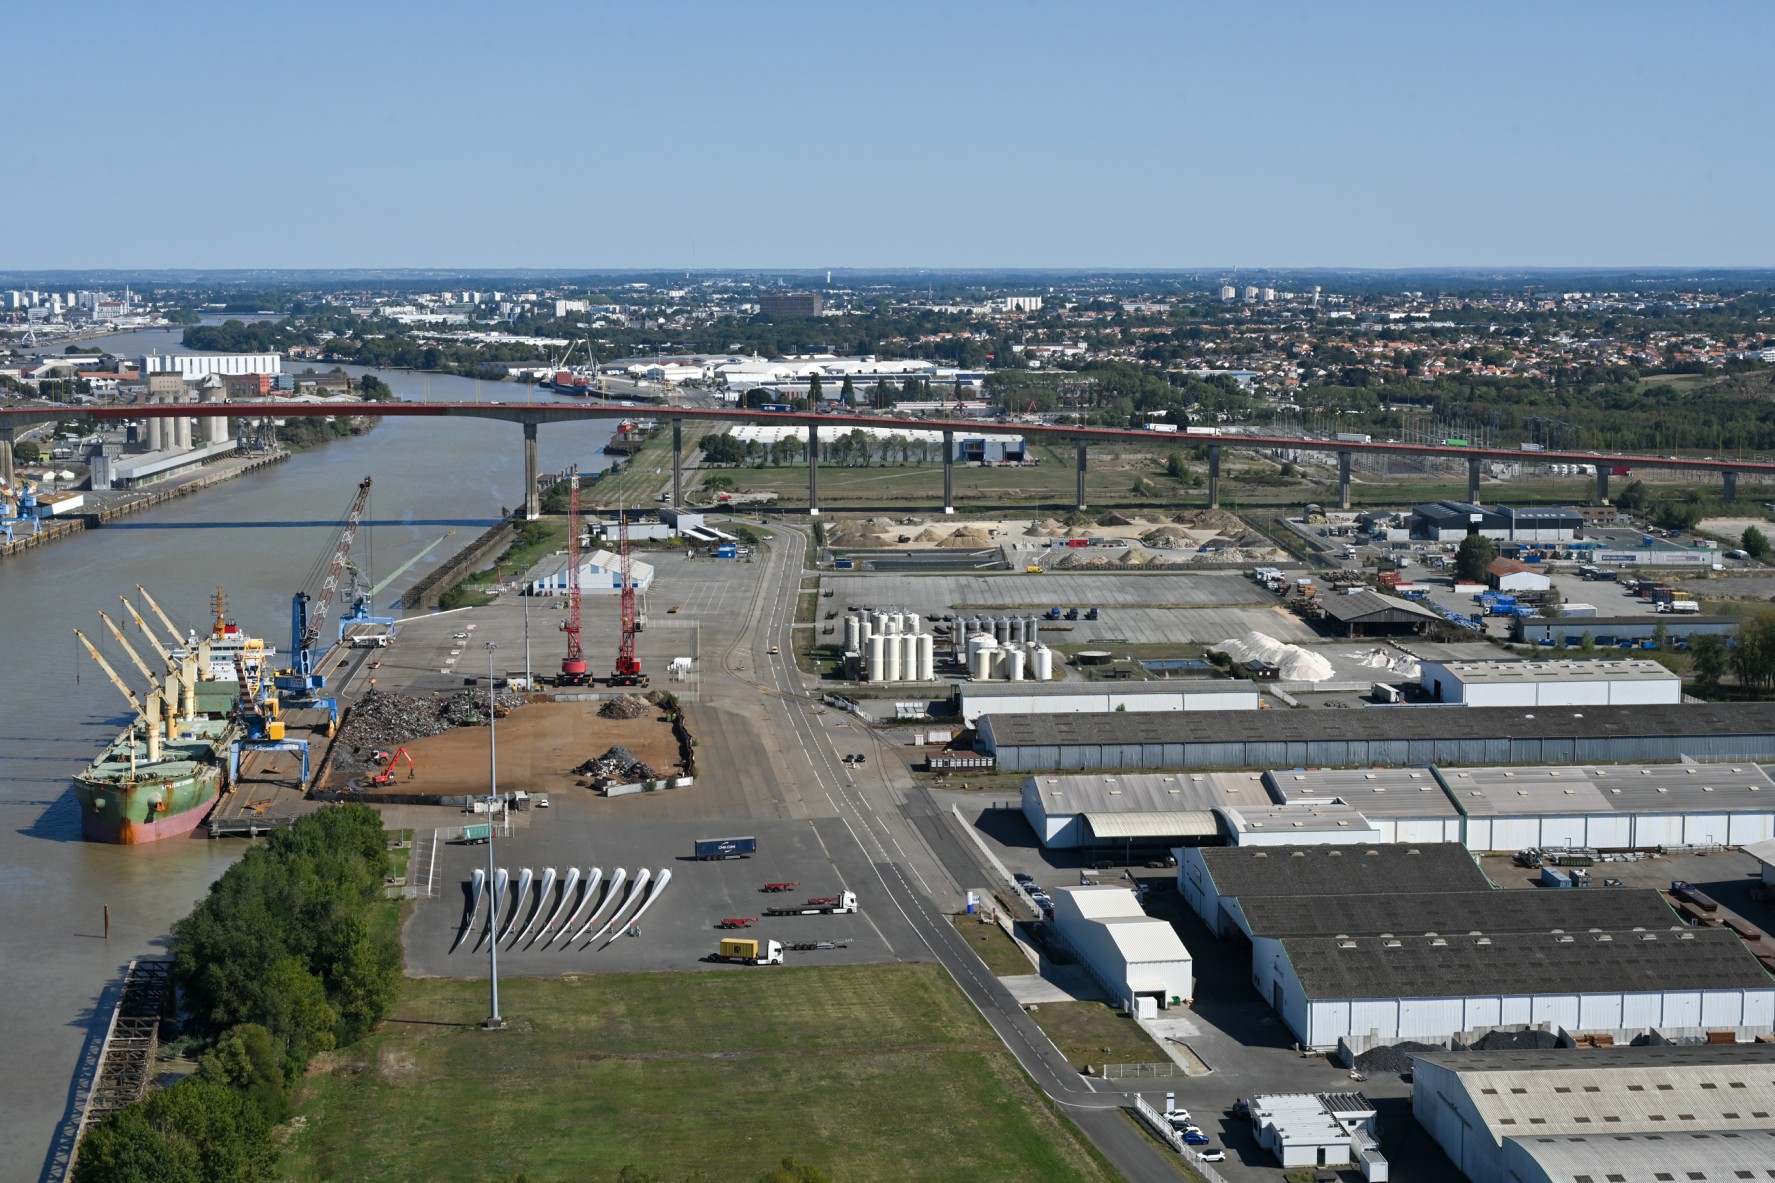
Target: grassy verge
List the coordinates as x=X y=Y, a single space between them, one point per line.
x=533 y=541
x=869 y=1072
x=1084 y=1030
x=998 y=951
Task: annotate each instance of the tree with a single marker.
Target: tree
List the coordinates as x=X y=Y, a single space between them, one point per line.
x=1475 y=555
x=1709 y=653
x=1756 y=544
x=1552 y=604
x=816 y=395
x=1635 y=498
x=1679 y=515
x=847 y=392
x=247 y=1060
x=26 y=452
x=1753 y=658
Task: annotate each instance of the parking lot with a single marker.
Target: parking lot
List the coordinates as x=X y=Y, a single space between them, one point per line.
x=947 y=593
x=679 y=930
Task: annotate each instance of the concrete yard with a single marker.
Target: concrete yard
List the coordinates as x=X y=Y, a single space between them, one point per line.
x=679 y=930
x=948 y=593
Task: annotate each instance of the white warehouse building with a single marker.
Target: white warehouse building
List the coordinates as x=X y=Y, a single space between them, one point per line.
x=1550 y=683
x=600 y=574
x=1135 y=957
x=1043 y=698
x=1402 y=804
x=199 y=365
x=1117 y=810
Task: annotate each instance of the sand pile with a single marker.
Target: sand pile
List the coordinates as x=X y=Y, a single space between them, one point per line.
x=1392 y=661
x=1166 y=535
x=1046 y=528
x=968 y=536
x=1112 y=518
x=1294 y=663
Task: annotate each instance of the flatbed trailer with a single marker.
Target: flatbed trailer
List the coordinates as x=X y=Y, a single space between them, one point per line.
x=833 y=905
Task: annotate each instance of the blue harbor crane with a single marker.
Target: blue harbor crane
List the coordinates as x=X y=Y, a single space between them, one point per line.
x=309 y=613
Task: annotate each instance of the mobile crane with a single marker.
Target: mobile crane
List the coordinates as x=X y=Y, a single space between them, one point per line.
x=573 y=664
x=628 y=670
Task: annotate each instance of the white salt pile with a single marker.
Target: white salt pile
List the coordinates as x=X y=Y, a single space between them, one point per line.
x=1293 y=663
x=1392 y=661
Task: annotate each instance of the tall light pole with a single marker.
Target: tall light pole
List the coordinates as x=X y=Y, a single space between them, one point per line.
x=528 y=684
x=494 y=1021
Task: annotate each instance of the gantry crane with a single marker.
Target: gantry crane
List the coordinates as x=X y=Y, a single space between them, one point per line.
x=628 y=670
x=573 y=665
x=301 y=677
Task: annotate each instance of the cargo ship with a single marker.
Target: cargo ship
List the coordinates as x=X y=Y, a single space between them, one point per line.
x=159 y=778
x=146 y=787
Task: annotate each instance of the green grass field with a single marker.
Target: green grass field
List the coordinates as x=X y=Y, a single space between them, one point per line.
x=868 y=1072
x=1083 y=1030
x=989 y=942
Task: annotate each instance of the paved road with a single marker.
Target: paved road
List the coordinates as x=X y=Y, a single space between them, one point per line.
x=921 y=868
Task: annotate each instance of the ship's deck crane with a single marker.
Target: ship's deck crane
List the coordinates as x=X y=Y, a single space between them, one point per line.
x=183 y=670
x=149 y=714
x=573 y=664
x=305 y=622
x=628 y=670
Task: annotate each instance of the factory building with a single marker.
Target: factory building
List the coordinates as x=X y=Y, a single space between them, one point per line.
x=1403 y=804
x=1612 y=808
x=600 y=574
x=200 y=365
x=1136 y=958
x=1451 y=521
x=1635 y=1114
x=1365 y=612
x=1627 y=682
x=1117 y=813
x=1389 y=737
x=1508 y=575
x=1028 y=698
x=1320 y=823
x=1543 y=524
x=1606 y=631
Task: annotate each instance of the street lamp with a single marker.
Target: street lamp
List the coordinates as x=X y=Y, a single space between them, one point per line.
x=494 y=1021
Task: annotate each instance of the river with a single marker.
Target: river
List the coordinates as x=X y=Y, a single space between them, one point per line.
x=57 y=709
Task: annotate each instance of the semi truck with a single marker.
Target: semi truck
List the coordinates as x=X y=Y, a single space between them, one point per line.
x=833 y=905
x=719 y=848
x=749 y=951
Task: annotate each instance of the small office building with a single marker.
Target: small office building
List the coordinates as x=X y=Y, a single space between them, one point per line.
x=1136 y=958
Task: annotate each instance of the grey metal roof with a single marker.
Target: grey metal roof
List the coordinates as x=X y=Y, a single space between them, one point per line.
x=1192 y=823
x=1623 y=788
x=1630 y=1060
x=1418 y=722
x=1248 y=871
x=1376 y=792
x=1458 y=513
x=1141 y=791
x=1369 y=604
x=1456 y=913
x=1454 y=650
x=1313 y=817
x=1540 y=513
x=1523 y=963
x=1630 y=669
x=1680 y=1154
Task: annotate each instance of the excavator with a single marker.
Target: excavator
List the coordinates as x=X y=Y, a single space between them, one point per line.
x=392 y=760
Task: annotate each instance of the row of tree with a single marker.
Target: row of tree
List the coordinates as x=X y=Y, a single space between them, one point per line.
x=281 y=960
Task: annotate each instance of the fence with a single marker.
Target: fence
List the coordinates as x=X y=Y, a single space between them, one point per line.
x=1140 y=1071
x=1156 y=1121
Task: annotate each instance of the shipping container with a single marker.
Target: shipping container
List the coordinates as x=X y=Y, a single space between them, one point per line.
x=719 y=848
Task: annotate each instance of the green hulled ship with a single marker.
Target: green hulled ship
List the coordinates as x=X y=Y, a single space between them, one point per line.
x=144 y=789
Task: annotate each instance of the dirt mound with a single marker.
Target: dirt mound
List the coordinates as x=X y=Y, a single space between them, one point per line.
x=1165 y=534
x=1394 y=1058
x=967 y=536
x=1112 y=518
x=1046 y=528
x=865 y=533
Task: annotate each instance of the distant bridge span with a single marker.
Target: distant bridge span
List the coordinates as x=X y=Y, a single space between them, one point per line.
x=531 y=415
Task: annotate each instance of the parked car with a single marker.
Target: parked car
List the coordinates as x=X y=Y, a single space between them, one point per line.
x=1020 y=877
x=1212 y=1154
x=1179 y=1118
x=1029 y=886
x=1194 y=1137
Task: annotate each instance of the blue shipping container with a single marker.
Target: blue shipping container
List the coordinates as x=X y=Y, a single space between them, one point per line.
x=717 y=848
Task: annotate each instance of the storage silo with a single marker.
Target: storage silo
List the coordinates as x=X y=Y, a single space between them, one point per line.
x=1032 y=628
x=995 y=664
x=1001 y=628
x=927 y=657
x=881 y=622
x=1044 y=664
x=980 y=650
x=890 y=652
x=853 y=634
x=877 y=662
x=1014 y=659
x=909 y=658
x=1016 y=630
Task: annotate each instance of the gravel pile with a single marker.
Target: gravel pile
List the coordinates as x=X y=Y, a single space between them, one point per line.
x=1395 y=1058
x=1515 y=1041
x=628 y=706
x=617 y=766
x=382 y=722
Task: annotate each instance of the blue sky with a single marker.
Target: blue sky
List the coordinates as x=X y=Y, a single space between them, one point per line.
x=592 y=134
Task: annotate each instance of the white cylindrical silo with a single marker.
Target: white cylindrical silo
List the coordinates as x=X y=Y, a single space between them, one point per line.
x=995 y=664
x=891 y=664
x=1014 y=659
x=853 y=633
x=877 y=661
x=880 y=619
x=1016 y=630
x=1032 y=629
x=908 y=658
x=1044 y=664
x=927 y=657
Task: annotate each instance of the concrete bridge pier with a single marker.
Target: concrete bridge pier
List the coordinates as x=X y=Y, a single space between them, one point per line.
x=1079 y=500
x=677 y=462
x=1602 y=484
x=1343 y=480
x=1213 y=476
x=1473 y=480
x=532 y=499
x=948 y=471
x=8 y=433
x=1731 y=479
x=813 y=470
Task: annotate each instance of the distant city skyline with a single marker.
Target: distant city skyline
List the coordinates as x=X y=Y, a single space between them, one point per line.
x=800 y=136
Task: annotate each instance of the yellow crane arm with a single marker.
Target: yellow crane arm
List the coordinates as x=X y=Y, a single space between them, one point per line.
x=128 y=648
x=111 y=673
x=171 y=628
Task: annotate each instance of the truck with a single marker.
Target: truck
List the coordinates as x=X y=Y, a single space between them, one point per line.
x=1531 y=447
x=719 y=848
x=1354 y=437
x=1680 y=607
x=831 y=905
x=749 y=951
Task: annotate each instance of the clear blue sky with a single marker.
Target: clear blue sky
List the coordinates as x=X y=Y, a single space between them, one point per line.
x=588 y=133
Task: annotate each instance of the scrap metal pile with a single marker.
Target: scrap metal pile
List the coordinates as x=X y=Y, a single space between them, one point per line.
x=380 y=721
x=617 y=766
x=626 y=706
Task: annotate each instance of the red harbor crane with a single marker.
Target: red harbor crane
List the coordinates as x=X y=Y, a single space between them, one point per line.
x=573 y=665
x=628 y=670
